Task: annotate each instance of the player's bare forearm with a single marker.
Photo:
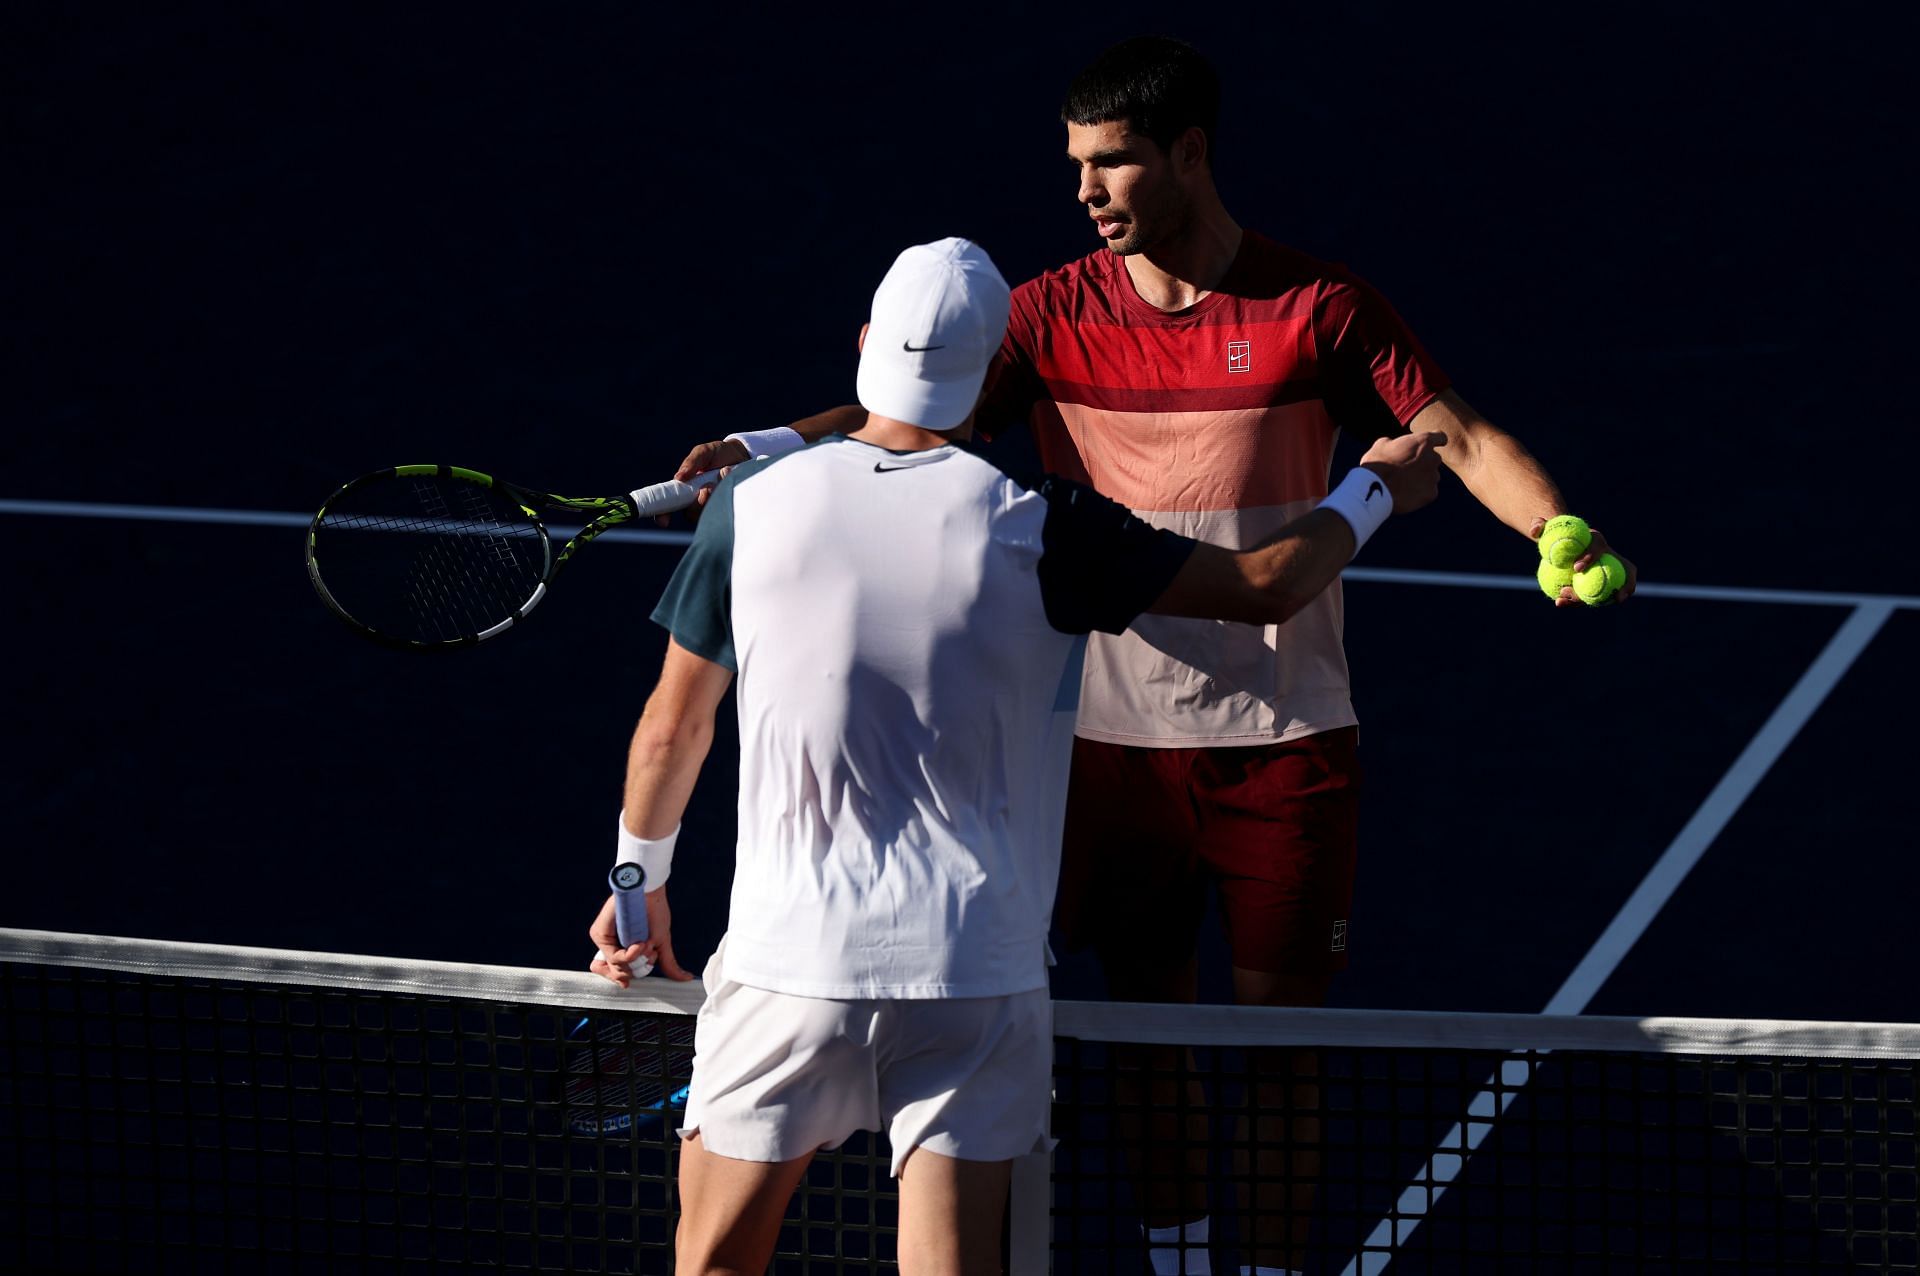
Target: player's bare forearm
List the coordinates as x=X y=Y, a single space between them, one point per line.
x=1271 y=582
x=1494 y=466
x=662 y=765
x=1265 y=585
x=672 y=740
x=724 y=452
x=663 y=762
x=1505 y=477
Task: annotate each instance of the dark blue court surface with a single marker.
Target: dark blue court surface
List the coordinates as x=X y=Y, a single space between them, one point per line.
x=257 y=251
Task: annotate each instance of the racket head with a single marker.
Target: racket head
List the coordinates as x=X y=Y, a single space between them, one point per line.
x=427 y=557
x=628 y=1076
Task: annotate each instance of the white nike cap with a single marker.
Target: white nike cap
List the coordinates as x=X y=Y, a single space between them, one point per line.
x=938 y=319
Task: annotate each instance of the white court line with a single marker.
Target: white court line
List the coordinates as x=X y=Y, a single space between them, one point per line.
x=1706 y=593
x=155 y=513
x=654 y=536
x=1727 y=797
x=271 y=518
x=1420 y=1196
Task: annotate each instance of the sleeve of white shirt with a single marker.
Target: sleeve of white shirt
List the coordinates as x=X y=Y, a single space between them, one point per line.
x=697 y=608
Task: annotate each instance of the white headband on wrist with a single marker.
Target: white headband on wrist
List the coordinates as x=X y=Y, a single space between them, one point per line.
x=1363 y=500
x=778 y=441
x=653 y=855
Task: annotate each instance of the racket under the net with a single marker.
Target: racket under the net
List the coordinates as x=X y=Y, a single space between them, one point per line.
x=430 y=557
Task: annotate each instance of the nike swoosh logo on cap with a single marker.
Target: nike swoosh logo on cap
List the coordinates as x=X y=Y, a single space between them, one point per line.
x=910 y=348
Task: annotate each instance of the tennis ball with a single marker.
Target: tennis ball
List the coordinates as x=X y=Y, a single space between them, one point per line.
x=1553 y=579
x=1564 y=539
x=1597 y=584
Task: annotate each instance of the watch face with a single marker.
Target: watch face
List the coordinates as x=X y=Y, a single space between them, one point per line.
x=628 y=876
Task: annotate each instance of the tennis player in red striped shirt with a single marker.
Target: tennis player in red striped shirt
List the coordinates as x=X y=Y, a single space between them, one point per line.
x=1198 y=372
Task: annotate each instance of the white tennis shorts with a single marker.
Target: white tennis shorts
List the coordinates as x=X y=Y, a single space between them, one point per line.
x=777 y=1076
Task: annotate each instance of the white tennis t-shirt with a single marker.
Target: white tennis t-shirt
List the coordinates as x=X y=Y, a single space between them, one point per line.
x=907 y=629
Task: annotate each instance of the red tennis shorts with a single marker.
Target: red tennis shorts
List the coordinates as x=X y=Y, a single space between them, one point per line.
x=1271 y=827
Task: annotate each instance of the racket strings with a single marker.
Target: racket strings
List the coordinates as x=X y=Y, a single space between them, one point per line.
x=466 y=585
x=429 y=559
x=612 y=1065
x=439 y=605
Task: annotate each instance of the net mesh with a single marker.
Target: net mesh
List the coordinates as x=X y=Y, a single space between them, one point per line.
x=184 y=1108
x=1363 y=1160
x=159 y=1123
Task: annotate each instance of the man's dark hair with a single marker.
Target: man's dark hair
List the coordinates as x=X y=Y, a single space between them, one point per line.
x=1158 y=86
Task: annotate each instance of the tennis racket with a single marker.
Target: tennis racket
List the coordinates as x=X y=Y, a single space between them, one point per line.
x=428 y=557
x=628 y=1074
x=628 y=882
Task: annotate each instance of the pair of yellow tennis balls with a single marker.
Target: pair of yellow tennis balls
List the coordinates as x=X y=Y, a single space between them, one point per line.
x=1562 y=541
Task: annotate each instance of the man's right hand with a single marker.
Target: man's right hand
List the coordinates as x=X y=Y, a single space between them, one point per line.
x=721 y=454
x=614 y=962
x=724 y=454
x=708 y=456
x=1409 y=465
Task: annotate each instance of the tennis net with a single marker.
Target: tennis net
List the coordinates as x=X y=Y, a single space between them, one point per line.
x=182 y=1107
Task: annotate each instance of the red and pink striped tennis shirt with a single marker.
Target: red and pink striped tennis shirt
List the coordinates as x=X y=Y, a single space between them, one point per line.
x=1218 y=422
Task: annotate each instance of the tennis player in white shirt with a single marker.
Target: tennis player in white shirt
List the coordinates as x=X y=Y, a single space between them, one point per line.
x=905 y=622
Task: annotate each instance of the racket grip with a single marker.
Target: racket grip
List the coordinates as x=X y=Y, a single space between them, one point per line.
x=665 y=498
x=629 y=909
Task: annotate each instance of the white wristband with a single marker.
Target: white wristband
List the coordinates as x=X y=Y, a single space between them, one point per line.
x=1363 y=500
x=778 y=441
x=653 y=855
